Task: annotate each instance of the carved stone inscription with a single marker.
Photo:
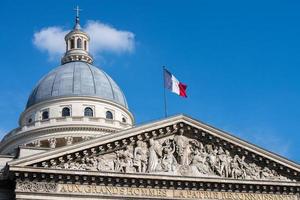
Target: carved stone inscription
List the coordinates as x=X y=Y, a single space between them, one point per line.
x=174 y=155
x=96 y=190
x=167 y=193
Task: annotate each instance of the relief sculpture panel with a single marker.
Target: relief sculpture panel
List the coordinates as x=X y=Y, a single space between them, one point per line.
x=175 y=155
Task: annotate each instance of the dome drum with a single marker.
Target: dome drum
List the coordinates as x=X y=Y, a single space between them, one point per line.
x=33 y=117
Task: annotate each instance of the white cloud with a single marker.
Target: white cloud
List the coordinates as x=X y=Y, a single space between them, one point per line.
x=51 y=40
x=107 y=38
x=104 y=38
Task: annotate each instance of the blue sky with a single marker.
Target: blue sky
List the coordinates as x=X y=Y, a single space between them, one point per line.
x=239 y=59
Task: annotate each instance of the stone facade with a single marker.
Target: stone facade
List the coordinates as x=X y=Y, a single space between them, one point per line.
x=175 y=158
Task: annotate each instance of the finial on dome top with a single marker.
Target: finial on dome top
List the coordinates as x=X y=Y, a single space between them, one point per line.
x=77 y=20
x=77 y=42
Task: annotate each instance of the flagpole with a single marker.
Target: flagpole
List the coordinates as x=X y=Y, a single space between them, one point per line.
x=165 y=97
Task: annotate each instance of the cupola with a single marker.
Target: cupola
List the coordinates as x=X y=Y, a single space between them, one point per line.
x=77 y=44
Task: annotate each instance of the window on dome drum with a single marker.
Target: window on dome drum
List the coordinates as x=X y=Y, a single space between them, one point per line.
x=109 y=115
x=79 y=44
x=124 y=120
x=45 y=115
x=72 y=44
x=66 y=112
x=29 y=120
x=85 y=45
x=88 y=112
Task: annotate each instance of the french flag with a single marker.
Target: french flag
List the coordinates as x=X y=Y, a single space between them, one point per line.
x=173 y=84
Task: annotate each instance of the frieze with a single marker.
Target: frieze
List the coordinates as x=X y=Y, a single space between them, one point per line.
x=29 y=186
x=173 y=155
x=159 y=193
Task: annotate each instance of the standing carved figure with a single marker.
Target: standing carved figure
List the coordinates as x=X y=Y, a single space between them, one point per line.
x=186 y=155
x=212 y=158
x=169 y=162
x=140 y=156
x=222 y=163
x=182 y=148
x=236 y=171
x=155 y=152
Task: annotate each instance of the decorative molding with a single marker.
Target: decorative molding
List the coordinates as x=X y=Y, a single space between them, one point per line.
x=32 y=186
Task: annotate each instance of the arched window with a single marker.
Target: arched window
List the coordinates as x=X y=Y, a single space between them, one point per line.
x=45 y=115
x=72 y=44
x=29 y=120
x=124 y=120
x=79 y=44
x=66 y=112
x=85 y=45
x=109 y=115
x=88 y=112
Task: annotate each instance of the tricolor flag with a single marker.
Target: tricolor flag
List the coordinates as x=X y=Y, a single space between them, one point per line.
x=173 y=84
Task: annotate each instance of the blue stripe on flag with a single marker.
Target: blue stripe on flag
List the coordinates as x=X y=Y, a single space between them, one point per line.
x=168 y=79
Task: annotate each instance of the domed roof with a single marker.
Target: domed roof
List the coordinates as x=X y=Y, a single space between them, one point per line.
x=76 y=79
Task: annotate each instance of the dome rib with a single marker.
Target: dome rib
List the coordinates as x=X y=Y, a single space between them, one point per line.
x=92 y=77
x=113 y=93
x=76 y=79
x=53 y=84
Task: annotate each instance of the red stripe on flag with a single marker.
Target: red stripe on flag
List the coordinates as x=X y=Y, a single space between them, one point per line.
x=182 y=89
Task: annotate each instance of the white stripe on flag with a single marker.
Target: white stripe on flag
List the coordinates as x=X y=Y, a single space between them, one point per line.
x=175 y=85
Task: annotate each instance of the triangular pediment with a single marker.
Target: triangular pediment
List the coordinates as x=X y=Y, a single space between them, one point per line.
x=176 y=146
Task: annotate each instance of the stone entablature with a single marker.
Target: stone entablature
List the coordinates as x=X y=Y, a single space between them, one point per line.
x=60 y=190
x=89 y=183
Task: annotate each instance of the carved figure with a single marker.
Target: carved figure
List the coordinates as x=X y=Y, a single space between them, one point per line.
x=124 y=160
x=155 y=152
x=182 y=148
x=178 y=156
x=69 y=140
x=212 y=158
x=199 y=160
x=236 y=172
x=140 y=156
x=52 y=142
x=168 y=161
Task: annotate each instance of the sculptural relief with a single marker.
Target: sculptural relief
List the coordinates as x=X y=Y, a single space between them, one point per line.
x=52 y=142
x=28 y=186
x=175 y=155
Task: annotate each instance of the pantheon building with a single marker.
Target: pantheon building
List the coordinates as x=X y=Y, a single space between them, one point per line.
x=77 y=140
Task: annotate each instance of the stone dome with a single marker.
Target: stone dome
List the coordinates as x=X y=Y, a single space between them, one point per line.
x=76 y=79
